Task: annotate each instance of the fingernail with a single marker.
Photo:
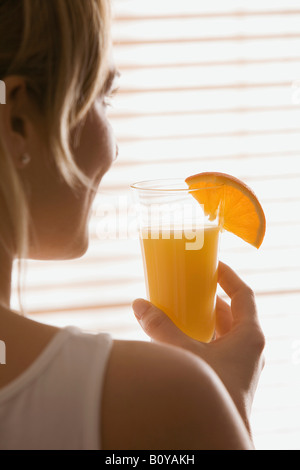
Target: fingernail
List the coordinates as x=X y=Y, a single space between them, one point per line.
x=140 y=306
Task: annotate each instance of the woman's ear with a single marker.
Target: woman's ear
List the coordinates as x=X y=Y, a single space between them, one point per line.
x=15 y=120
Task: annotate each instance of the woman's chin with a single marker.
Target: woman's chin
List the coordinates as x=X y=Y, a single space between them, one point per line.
x=76 y=248
x=81 y=249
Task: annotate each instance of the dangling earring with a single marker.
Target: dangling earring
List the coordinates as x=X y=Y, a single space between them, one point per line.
x=24 y=160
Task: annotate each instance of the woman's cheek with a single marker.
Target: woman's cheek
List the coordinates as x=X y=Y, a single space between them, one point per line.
x=97 y=148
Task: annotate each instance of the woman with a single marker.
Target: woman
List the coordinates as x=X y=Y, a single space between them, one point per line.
x=62 y=389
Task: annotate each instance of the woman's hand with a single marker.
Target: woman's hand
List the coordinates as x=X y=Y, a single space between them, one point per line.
x=236 y=354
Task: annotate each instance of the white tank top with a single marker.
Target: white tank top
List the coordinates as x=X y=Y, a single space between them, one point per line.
x=56 y=403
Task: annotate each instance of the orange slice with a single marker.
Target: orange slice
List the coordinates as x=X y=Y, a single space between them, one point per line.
x=241 y=212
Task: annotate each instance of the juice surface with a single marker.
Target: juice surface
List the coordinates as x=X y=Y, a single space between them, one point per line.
x=183 y=282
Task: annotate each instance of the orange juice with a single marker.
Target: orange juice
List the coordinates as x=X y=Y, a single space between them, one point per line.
x=183 y=282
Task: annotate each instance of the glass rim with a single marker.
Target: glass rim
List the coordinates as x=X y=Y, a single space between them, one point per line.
x=165 y=186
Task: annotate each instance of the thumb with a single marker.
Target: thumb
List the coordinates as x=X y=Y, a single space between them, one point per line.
x=158 y=325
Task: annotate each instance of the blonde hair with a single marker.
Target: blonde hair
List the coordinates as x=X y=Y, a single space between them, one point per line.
x=61 y=49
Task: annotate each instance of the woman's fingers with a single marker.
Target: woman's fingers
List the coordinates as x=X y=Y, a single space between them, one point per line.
x=223 y=317
x=158 y=325
x=242 y=311
x=243 y=306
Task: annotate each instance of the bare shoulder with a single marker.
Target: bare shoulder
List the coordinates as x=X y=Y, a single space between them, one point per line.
x=161 y=397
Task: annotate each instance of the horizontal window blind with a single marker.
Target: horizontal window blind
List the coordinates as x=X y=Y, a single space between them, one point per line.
x=205 y=86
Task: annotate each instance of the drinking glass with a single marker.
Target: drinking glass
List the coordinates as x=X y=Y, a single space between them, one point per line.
x=180 y=246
